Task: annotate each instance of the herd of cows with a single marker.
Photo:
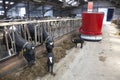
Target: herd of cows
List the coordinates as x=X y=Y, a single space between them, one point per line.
x=27 y=47
x=22 y=38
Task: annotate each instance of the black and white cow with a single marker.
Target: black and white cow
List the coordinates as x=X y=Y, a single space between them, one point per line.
x=49 y=43
x=21 y=44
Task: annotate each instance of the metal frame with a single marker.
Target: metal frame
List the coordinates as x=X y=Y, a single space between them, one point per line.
x=55 y=28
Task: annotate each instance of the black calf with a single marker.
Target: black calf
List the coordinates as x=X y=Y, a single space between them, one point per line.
x=76 y=41
x=50 y=56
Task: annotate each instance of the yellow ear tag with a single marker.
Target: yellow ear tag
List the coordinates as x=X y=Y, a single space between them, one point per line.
x=24 y=50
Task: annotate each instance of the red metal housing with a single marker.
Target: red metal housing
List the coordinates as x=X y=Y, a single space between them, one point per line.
x=91 y=24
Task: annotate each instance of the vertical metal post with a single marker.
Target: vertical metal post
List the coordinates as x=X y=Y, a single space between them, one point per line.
x=27 y=9
x=13 y=40
x=28 y=33
x=38 y=32
x=62 y=27
x=48 y=25
x=6 y=40
x=5 y=10
x=35 y=34
x=58 y=22
x=97 y=5
x=24 y=27
x=43 y=10
x=41 y=32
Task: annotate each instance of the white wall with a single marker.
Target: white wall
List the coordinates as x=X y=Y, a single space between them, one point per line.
x=105 y=10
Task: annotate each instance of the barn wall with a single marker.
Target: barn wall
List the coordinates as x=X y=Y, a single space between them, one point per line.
x=34 y=11
x=96 y=5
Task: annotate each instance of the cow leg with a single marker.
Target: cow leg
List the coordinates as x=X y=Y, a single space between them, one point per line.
x=48 y=66
x=81 y=45
x=51 y=67
x=76 y=45
x=52 y=73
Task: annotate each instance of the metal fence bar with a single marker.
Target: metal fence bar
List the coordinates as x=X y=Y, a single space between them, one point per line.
x=55 y=28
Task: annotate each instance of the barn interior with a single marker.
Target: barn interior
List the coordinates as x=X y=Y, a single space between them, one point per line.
x=60 y=19
x=23 y=9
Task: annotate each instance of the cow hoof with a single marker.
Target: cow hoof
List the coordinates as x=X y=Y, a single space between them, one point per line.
x=53 y=74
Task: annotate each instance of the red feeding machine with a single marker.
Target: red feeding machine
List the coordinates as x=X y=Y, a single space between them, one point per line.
x=91 y=28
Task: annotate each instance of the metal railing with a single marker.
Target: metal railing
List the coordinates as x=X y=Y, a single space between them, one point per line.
x=55 y=28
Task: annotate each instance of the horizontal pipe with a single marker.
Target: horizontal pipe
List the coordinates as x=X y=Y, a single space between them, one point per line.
x=34 y=21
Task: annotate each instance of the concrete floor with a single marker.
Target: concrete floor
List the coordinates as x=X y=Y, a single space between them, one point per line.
x=95 y=61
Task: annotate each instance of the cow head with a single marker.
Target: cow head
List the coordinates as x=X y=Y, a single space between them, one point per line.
x=22 y=44
x=49 y=44
x=29 y=53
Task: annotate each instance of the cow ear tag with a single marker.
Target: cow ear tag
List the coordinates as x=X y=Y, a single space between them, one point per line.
x=24 y=50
